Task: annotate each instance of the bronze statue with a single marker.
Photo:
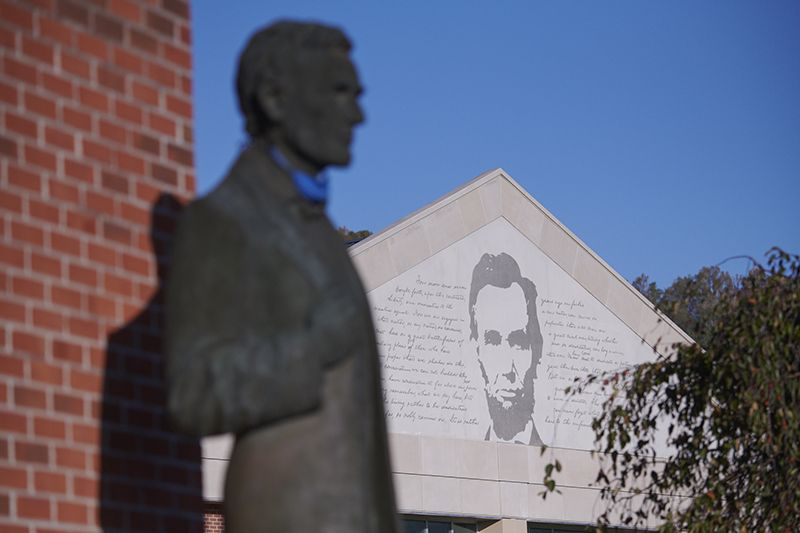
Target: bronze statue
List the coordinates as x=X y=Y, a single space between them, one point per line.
x=269 y=334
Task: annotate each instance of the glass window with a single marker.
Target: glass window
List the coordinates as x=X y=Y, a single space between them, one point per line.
x=437 y=526
x=413 y=526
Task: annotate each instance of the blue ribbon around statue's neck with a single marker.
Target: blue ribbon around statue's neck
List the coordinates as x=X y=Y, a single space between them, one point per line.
x=312 y=188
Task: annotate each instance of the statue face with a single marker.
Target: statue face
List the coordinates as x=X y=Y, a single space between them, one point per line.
x=319 y=108
x=505 y=356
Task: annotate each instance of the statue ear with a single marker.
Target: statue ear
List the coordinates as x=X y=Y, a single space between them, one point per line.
x=270 y=99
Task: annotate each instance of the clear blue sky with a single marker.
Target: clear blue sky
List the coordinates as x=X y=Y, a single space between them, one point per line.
x=666 y=135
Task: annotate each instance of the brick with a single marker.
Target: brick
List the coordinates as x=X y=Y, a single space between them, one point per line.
x=164 y=174
x=67 y=351
x=86 y=487
x=27 y=233
x=66 y=297
x=8 y=39
x=57 y=31
x=130 y=163
x=178 y=56
x=162 y=76
x=49 y=428
x=147 y=143
x=94 y=99
x=64 y=191
x=20 y=125
x=177 y=7
x=14 y=478
x=180 y=155
x=68 y=404
x=40 y=158
x=72 y=512
x=97 y=151
x=57 y=85
x=43 y=211
x=8 y=147
x=10 y=202
x=41 y=105
x=143 y=41
x=23 y=342
x=59 y=138
x=37 y=50
x=72 y=11
x=65 y=244
x=114 y=182
x=160 y=23
x=112 y=132
x=20 y=71
x=102 y=306
x=86 y=381
x=30 y=452
x=110 y=79
x=135 y=214
x=118 y=285
x=46 y=373
x=100 y=253
x=126 y=60
x=50 y=482
x=12 y=256
x=24 y=179
x=86 y=434
x=100 y=203
x=126 y=9
x=5 y=510
x=77 y=118
x=12 y=311
x=8 y=94
x=136 y=265
x=29 y=287
x=179 y=106
x=128 y=112
x=33 y=508
x=81 y=327
x=17 y=16
x=108 y=28
x=82 y=275
x=11 y=366
x=25 y=396
x=46 y=319
x=13 y=422
x=82 y=222
x=43 y=264
x=78 y=170
x=116 y=232
x=144 y=93
x=70 y=458
x=75 y=65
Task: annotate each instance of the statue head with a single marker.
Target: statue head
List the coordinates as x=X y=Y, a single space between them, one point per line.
x=299 y=90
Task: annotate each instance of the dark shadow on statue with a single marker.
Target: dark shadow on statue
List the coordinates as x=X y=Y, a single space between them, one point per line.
x=150 y=475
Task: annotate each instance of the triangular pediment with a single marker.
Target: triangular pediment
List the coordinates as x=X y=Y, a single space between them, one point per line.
x=419 y=273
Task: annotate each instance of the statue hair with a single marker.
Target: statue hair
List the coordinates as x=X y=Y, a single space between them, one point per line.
x=265 y=59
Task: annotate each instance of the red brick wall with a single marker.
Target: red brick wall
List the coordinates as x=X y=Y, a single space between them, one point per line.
x=214 y=521
x=96 y=148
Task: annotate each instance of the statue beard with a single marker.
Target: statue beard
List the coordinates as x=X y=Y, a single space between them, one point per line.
x=507 y=422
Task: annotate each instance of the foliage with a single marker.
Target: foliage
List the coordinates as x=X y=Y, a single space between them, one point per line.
x=727 y=409
x=350 y=235
x=690 y=300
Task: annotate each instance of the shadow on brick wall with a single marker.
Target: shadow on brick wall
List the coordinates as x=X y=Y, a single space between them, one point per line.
x=150 y=475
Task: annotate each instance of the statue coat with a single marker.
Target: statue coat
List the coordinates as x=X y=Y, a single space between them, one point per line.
x=252 y=264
